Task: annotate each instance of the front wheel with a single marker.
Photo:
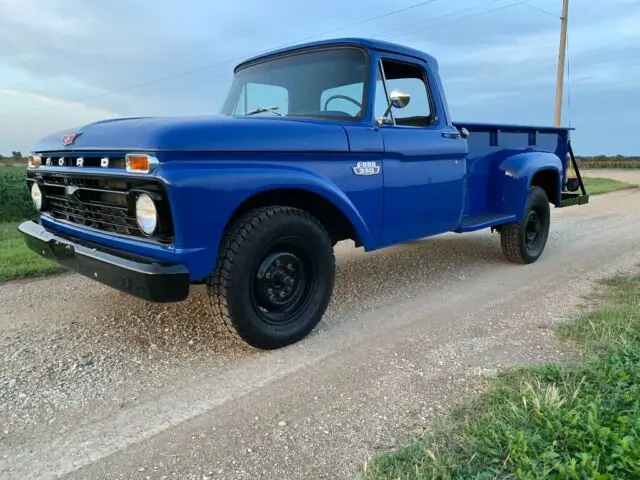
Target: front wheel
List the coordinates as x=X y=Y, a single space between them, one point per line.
x=525 y=241
x=274 y=276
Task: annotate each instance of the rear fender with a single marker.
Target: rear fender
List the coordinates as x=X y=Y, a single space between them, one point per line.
x=203 y=199
x=515 y=176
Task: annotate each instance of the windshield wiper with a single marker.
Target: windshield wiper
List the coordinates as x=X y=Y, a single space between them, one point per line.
x=265 y=109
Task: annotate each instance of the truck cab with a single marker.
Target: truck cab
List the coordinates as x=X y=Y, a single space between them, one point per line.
x=344 y=139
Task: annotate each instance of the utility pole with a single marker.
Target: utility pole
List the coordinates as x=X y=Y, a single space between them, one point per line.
x=561 y=62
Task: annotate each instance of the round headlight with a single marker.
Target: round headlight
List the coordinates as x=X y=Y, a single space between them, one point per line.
x=146 y=214
x=36 y=196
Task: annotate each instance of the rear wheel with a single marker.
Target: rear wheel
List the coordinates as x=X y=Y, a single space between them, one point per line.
x=274 y=276
x=524 y=242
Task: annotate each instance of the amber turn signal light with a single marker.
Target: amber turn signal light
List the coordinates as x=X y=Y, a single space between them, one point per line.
x=34 y=161
x=140 y=163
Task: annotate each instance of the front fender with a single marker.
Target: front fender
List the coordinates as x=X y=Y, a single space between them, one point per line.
x=516 y=173
x=204 y=197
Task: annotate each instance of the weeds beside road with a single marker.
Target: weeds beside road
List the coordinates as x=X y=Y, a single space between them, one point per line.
x=17 y=261
x=597 y=185
x=554 y=421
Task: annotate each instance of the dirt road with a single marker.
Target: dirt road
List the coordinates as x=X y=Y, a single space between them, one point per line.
x=95 y=384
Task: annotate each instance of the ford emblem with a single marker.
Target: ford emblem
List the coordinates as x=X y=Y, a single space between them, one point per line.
x=69 y=138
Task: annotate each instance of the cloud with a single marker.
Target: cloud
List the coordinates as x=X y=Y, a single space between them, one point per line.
x=495 y=67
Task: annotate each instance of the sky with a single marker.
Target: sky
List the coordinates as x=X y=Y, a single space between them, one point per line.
x=65 y=63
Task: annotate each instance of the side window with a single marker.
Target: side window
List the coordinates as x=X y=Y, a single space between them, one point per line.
x=256 y=95
x=410 y=79
x=329 y=102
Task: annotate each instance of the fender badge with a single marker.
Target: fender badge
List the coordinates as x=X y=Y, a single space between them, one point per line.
x=69 y=138
x=366 y=168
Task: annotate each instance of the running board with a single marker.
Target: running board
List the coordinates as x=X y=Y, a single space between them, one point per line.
x=479 y=222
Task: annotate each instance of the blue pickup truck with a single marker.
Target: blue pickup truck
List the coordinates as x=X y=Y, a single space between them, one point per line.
x=317 y=143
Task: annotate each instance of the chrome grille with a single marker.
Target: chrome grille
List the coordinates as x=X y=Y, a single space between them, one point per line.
x=106 y=204
x=107 y=217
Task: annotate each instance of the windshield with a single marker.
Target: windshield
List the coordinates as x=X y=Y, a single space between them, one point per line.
x=325 y=84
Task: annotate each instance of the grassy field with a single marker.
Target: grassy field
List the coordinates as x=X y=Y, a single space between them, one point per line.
x=597 y=186
x=574 y=421
x=15 y=202
x=16 y=260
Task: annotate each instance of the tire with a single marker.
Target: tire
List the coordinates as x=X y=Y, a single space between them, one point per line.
x=274 y=277
x=524 y=242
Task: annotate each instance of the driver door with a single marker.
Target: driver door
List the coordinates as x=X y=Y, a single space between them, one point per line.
x=424 y=164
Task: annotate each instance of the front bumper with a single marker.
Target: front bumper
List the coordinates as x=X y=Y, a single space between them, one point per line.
x=142 y=278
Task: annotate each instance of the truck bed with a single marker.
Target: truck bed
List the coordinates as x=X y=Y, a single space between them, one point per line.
x=490 y=145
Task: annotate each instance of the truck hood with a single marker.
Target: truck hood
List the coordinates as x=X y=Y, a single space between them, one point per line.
x=219 y=133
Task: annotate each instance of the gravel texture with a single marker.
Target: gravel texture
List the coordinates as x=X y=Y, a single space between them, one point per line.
x=96 y=384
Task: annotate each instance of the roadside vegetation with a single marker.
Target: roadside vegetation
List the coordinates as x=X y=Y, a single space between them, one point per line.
x=606 y=163
x=574 y=421
x=597 y=185
x=16 y=260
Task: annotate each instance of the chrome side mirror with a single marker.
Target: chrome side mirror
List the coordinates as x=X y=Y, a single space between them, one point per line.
x=398 y=100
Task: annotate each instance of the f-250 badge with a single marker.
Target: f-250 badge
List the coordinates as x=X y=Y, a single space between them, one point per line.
x=366 y=168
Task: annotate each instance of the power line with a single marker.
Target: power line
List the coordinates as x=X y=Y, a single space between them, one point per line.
x=387 y=14
x=217 y=64
x=540 y=9
x=455 y=12
x=467 y=17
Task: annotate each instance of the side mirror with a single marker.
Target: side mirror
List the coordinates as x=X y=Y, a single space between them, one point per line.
x=399 y=99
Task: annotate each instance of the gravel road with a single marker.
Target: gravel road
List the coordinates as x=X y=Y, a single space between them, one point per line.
x=96 y=384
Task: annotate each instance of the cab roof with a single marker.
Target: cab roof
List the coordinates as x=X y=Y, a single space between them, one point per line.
x=368 y=43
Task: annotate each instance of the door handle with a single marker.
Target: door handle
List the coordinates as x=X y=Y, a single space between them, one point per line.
x=451 y=134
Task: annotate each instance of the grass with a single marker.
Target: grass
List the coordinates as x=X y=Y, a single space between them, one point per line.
x=17 y=260
x=15 y=201
x=597 y=185
x=575 y=421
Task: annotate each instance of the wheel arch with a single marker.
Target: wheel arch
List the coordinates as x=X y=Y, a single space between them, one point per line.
x=521 y=171
x=336 y=222
x=547 y=178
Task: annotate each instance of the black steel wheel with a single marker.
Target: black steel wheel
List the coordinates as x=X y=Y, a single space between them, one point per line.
x=274 y=276
x=524 y=242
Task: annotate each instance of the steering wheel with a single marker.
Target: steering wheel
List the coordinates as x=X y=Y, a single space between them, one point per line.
x=343 y=97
